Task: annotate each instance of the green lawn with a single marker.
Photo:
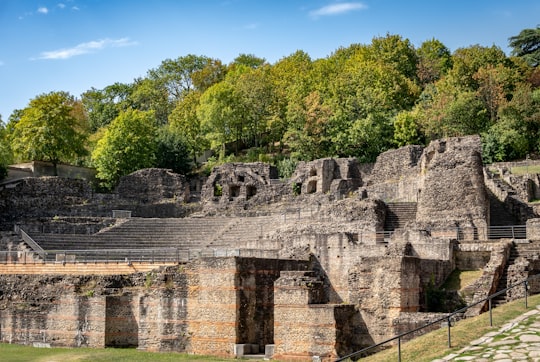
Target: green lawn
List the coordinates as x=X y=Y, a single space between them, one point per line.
x=524 y=170
x=18 y=353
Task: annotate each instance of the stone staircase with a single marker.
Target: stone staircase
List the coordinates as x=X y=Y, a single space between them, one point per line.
x=529 y=251
x=503 y=282
x=399 y=213
x=186 y=234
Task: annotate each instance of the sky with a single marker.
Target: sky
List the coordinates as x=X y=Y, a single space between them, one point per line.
x=76 y=45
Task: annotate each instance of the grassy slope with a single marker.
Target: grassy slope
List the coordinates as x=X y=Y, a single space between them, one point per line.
x=435 y=344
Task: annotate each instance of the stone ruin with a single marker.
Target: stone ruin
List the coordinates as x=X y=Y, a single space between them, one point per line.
x=351 y=252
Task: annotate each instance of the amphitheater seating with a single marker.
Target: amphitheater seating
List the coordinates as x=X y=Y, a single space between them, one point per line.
x=148 y=239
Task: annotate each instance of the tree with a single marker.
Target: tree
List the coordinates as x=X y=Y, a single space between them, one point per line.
x=176 y=76
x=5 y=151
x=406 y=129
x=218 y=114
x=129 y=144
x=47 y=130
x=248 y=60
x=307 y=135
x=434 y=60
x=172 y=151
x=184 y=121
x=527 y=45
x=102 y=106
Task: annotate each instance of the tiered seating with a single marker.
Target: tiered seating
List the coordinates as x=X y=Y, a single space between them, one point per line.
x=164 y=239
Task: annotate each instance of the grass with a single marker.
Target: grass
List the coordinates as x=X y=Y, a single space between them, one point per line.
x=524 y=170
x=435 y=344
x=460 y=279
x=18 y=353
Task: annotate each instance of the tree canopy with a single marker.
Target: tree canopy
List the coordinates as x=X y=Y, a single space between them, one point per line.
x=129 y=144
x=359 y=101
x=48 y=130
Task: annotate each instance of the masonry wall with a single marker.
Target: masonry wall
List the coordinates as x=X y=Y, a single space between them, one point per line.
x=230 y=301
x=306 y=329
x=70 y=321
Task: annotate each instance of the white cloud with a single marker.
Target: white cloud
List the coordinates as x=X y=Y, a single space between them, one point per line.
x=61 y=5
x=337 y=9
x=42 y=10
x=76 y=8
x=86 y=48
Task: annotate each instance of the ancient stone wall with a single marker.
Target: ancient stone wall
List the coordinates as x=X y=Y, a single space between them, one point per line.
x=338 y=176
x=231 y=302
x=153 y=185
x=146 y=193
x=395 y=175
x=452 y=191
x=298 y=313
x=41 y=197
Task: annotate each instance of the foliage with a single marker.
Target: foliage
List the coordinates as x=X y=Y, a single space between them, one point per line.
x=5 y=151
x=527 y=45
x=172 y=151
x=359 y=101
x=129 y=144
x=286 y=167
x=47 y=130
x=406 y=130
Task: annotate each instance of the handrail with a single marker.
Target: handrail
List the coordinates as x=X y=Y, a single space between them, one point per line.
x=32 y=243
x=155 y=255
x=447 y=319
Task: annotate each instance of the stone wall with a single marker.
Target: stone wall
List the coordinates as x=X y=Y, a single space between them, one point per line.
x=41 y=197
x=337 y=176
x=395 y=175
x=452 y=191
x=298 y=313
x=153 y=185
x=147 y=193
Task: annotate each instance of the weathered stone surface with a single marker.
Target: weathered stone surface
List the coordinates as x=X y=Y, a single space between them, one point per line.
x=153 y=185
x=452 y=191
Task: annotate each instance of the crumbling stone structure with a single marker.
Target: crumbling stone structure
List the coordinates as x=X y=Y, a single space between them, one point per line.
x=338 y=280
x=337 y=176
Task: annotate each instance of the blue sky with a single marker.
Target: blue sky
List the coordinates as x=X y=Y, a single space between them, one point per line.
x=73 y=45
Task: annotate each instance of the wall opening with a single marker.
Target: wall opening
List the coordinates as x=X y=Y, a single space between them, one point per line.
x=234 y=190
x=312 y=172
x=250 y=192
x=311 y=187
x=121 y=328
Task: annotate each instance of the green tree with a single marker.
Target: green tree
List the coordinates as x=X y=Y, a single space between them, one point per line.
x=47 y=130
x=406 y=129
x=218 y=114
x=5 y=151
x=129 y=144
x=434 y=61
x=176 y=76
x=184 y=121
x=104 y=105
x=527 y=45
x=172 y=151
x=307 y=135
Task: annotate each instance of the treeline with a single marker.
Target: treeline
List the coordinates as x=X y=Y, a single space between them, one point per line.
x=359 y=101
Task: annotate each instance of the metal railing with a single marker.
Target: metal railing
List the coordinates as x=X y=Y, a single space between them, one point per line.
x=32 y=243
x=448 y=321
x=147 y=255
